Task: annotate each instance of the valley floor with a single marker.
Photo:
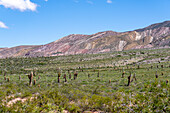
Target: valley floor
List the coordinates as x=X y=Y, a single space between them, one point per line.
x=127 y=81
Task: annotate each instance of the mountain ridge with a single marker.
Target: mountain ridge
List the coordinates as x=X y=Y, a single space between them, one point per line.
x=155 y=35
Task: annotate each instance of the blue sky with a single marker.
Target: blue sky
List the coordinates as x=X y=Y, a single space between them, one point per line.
x=34 y=22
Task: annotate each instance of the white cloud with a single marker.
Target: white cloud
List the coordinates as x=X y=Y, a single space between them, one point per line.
x=2 y=25
x=109 y=1
x=22 y=5
x=46 y=0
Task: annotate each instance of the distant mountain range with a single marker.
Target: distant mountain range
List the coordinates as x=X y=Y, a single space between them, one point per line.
x=156 y=35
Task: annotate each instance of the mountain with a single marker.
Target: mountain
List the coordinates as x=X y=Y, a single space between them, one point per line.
x=156 y=35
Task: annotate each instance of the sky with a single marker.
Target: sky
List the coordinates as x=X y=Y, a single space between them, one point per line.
x=35 y=22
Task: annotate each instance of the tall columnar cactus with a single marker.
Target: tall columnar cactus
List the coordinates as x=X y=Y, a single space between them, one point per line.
x=98 y=74
x=30 y=77
x=65 y=77
x=59 y=77
x=156 y=75
x=75 y=75
x=129 y=77
x=167 y=81
x=8 y=79
x=34 y=82
x=69 y=75
x=134 y=78
x=109 y=81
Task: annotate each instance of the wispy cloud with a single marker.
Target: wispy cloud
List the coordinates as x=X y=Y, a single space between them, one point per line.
x=2 y=25
x=76 y=1
x=46 y=0
x=22 y=5
x=90 y=2
x=109 y=1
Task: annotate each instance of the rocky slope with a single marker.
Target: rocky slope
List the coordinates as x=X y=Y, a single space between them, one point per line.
x=155 y=35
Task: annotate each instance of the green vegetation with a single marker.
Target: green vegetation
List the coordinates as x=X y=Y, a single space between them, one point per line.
x=101 y=83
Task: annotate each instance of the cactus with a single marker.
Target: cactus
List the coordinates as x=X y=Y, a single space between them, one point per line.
x=162 y=73
x=70 y=76
x=59 y=77
x=34 y=82
x=123 y=74
x=156 y=75
x=88 y=75
x=162 y=66
x=167 y=81
x=75 y=75
x=109 y=81
x=30 y=78
x=138 y=66
x=134 y=77
x=98 y=74
x=8 y=79
x=129 y=77
x=65 y=77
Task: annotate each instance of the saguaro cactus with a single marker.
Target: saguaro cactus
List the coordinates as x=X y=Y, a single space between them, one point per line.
x=8 y=79
x=75 y=75
x=129 y=77
x=156 y=75
x=70 y=76
x=134 y=77
x=109 y=81
x=59 y=77
x=98 y=74
x=167 y=82
x=34 y=82
x=30 y=76
x=65 y=77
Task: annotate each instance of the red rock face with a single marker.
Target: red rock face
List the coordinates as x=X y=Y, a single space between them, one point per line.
x=152 y=36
